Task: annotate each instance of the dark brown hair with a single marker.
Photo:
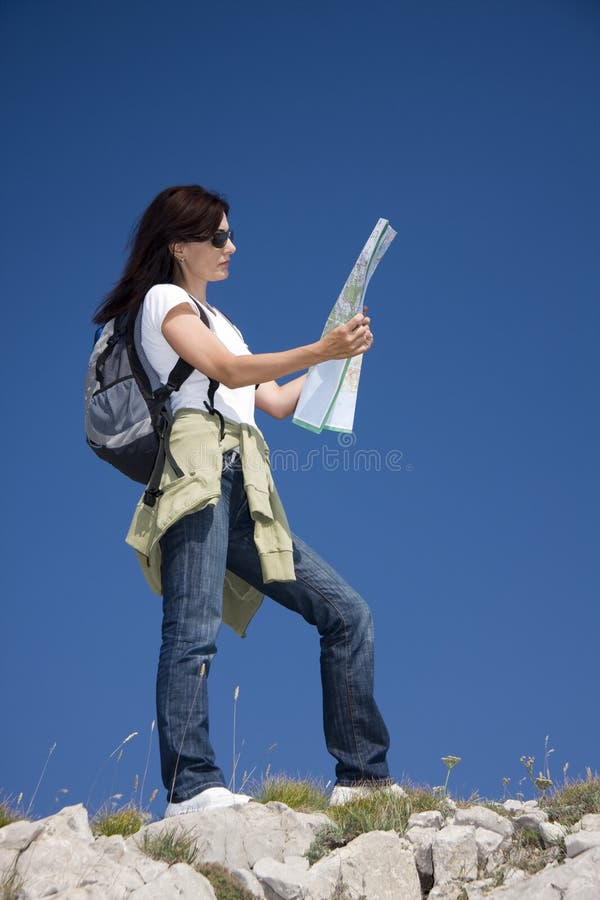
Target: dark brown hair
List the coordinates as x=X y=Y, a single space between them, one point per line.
x=182 y=213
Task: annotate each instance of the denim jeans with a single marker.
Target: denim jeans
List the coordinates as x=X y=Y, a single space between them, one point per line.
x=196 y=550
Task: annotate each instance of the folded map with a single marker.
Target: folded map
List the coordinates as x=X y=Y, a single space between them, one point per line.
x=328 y=397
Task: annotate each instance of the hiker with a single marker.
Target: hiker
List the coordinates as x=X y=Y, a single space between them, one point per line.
x=214 y=538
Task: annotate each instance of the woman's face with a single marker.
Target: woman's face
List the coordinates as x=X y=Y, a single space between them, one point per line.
x=201 y=260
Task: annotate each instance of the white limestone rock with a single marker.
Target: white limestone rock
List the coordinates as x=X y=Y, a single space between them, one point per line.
x=7 y=860
x=249 y=881
x=455 y=854
x=580 y=842
x=422 y=843
x=590 y=822
x=448 y=891
x=515 y=806
x=112 y=846
x=482 y=817
x=575 y=879
x=430 y=819
x=489 y=848
x=285 y=879
x=530 y=820
x=82 y=893
x=59 y=857
x=19 y=835
x=237 y=838
x=552 y=833
x=178 y=881
x=378 y=865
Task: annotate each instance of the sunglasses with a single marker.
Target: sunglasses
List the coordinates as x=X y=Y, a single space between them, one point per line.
x=220 y=238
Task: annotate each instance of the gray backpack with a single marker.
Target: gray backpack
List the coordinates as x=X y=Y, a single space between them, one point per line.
x=128 y=416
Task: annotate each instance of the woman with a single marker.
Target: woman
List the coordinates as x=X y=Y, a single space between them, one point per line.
x=217 y=538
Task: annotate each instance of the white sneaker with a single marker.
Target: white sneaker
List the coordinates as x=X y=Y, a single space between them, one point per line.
x=211 y=798
x=342 y=793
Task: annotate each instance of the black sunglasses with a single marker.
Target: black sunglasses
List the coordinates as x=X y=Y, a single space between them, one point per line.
x=220 y=238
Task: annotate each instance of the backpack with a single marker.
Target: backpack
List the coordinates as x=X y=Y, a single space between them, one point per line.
x=128 y=416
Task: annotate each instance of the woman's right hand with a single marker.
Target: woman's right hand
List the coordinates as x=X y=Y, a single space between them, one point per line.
x=347 y=340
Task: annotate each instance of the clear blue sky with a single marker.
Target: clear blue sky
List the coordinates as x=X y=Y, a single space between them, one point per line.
x=474 y=127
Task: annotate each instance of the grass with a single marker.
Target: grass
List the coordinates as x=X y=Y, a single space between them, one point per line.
x=304 y=794
x=176 y=846
x=379 y=811
x=8 y=814
x=574 y=799
x=224 y=884
x=125 y=821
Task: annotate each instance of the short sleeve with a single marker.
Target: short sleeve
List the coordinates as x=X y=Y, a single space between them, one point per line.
x=160 y=300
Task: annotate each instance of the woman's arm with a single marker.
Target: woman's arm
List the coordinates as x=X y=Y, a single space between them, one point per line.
x=193 y=341
x=279 y=400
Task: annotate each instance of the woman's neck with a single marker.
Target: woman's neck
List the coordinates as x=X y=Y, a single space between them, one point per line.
x=197 y=289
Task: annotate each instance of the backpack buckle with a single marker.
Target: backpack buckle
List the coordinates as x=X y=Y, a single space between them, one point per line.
x=151 y=496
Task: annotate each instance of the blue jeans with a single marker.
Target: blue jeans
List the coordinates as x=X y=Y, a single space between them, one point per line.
x=196 y=550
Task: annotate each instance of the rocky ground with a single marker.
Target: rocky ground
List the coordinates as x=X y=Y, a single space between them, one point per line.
x=473 y=853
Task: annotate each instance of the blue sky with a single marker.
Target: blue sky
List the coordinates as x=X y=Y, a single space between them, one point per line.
x=474 y=128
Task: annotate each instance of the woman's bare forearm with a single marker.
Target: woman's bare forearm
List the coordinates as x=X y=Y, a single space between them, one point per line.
x=258 y=368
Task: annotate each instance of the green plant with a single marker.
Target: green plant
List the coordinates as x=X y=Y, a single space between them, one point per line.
x=527 y=852
x=449 y=762
x=303 y=794
x=574 y=799
x=125 y=821
x=378 y=811
x=327 y=838
x=8 y=813
x=179 y=846
x=224 y=884
x=174 y=846
x=425 y=799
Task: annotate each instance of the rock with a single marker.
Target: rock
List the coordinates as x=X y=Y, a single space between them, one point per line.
x=455 y=854
x=7 y=860
x=482 y=817
x=82 y=893
x=285 y=879
x=237 y=838
x=61 y=855
x=446 y=892
x=178 y=881
x=575 y=879
x=249 y=881
x=589 y=822
x=19 y=835
x=531 y=820
x=551 y=833
x=489 y=849
x=431 y=819
x=581 y=841
x=514 y=805
x=378 y=865
x=113 y=846
x=422 y=842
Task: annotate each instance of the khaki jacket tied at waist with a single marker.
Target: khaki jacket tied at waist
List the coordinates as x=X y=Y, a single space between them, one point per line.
x=196 y=447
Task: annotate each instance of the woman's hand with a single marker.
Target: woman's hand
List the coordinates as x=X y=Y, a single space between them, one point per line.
x=347 y=340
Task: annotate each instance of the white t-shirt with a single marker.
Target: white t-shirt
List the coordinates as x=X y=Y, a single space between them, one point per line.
x=236 y=404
